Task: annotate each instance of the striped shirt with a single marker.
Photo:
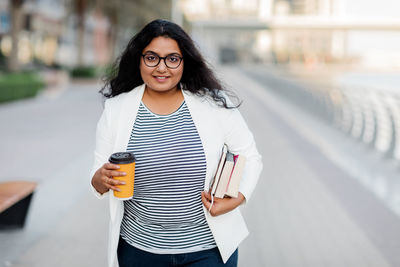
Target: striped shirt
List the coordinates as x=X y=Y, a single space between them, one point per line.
x=165 y=214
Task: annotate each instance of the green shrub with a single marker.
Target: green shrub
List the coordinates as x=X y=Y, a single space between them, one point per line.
x=15 y=86
x=84 y=72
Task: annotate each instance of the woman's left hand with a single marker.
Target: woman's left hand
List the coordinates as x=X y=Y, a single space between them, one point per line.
x=221 y=205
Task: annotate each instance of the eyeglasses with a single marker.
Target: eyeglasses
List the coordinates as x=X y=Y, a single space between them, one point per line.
x=171 y=61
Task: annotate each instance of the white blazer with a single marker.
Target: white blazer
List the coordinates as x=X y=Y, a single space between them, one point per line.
x=216 y=126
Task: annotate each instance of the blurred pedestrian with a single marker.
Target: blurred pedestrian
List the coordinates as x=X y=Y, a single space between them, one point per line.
x=166 y=106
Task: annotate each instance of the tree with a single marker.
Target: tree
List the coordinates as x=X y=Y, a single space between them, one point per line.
x=80 y=11
x=16 y=12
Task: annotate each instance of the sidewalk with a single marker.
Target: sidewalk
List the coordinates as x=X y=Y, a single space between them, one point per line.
x=52 y=137
x=294 y=217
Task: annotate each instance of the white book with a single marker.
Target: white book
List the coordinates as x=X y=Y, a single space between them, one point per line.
x=236 y=176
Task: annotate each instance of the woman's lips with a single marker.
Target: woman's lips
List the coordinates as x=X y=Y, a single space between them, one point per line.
x=161 y=79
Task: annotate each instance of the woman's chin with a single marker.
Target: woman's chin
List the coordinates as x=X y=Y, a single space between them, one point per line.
x=161 y=89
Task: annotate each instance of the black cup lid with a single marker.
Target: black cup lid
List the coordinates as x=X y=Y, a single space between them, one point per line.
x=122 y=158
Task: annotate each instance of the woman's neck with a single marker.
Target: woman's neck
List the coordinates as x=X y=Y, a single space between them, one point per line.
x=162 y=103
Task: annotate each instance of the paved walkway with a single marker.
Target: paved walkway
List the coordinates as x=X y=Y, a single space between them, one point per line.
x=50 y=140
x=296 y=217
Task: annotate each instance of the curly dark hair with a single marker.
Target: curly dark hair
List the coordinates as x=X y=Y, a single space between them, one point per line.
x=197 y=77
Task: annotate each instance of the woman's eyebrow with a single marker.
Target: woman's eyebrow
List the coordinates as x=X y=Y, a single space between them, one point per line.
x=152 y=52
x=149 y=51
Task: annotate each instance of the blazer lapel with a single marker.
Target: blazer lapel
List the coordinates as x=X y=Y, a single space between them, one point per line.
x=126 y=120
x=205 y=119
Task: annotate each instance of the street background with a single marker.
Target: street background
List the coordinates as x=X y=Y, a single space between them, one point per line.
x=319 y=83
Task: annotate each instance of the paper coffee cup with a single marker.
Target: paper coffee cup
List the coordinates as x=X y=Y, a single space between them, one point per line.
x=126 y=162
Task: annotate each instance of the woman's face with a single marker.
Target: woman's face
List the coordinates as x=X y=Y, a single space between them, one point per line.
x=161 y=78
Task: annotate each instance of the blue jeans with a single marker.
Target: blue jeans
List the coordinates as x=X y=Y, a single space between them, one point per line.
x=129 y=256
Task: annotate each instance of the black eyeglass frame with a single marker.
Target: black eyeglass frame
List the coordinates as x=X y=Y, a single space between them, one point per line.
x=163 y=58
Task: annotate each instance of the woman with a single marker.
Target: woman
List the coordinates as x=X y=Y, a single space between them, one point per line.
x=166 y=106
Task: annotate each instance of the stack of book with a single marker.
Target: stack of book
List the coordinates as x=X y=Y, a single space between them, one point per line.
x=229 y=173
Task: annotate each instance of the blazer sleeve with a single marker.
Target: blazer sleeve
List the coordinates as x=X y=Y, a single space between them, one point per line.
x=104 y=145
x=240 y=140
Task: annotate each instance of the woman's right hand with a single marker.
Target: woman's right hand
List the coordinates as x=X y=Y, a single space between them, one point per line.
x=103 y=179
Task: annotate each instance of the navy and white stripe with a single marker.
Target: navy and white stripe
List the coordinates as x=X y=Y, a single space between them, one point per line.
x=166 y=214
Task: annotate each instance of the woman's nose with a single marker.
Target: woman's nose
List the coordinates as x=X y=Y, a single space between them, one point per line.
x=161 y=66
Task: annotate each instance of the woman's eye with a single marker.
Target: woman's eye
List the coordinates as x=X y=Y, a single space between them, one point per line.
x=151 y=58
x=173 y=59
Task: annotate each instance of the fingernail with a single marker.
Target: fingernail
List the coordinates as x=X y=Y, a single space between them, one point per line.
x=124 y=173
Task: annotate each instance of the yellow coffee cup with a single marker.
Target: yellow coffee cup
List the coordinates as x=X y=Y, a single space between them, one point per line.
x=126 y=162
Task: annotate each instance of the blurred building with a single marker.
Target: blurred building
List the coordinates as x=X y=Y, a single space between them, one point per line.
x=42 y=24
x=55 y=33
x=48 y=36
x=311 y=32
x=229 y=31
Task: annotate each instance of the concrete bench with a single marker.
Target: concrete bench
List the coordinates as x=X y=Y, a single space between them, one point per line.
x=15 y=198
